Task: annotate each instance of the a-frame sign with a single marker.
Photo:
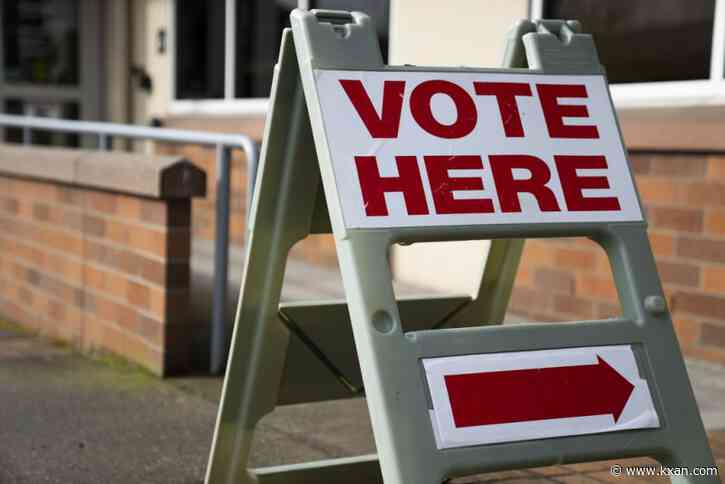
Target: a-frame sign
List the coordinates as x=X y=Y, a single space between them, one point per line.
x=409 y=154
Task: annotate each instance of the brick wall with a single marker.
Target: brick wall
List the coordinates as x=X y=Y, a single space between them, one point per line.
x=204 y=209
x=684 y=197
x=319 y=249
x=101 y=269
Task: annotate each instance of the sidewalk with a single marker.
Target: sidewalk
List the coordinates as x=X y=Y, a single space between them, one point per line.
x=65 y=418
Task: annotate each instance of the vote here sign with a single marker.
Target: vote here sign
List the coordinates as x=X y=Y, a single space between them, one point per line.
x=463 y=148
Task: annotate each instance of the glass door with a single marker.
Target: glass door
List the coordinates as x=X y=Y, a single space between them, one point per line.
x=51 y=62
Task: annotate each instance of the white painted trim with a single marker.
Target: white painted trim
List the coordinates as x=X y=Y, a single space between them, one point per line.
x=2 y=68
x=668 y=94
x=717 y=53
x=247 y=107
x=230 y=48
x=537 y=9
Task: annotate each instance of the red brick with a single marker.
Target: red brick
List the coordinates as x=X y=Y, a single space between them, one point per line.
x=530 y=301
x=664 y=191
x=596 y=286
x=9 y=205
x=715 y=222
x=555 y=280
x=41 y=212
x=716 y=168
x=713 y=335
x=101 y=202
x=641 y=164
x=33 y=190
x=714 y=279
x=69 y=196
x=688 y=331
x=663 y=245
x=708 y=353
x=119 y=232
x=71 y=219
x=699 y=304
x=707 y=250
x=537 y=253
x=702 y=194
x=573 y=306
x=524 y=276
x=128 y=207
x=105 y=255
x=66 y=268
x=138 y=295
x=66 y=258
x=94 y=226
x=681 y=219
x=680 y=166
x=134 y=347
x=151 y=330
x=151 y=241
x=155 y=212
x=679 y=273
x=578 y=259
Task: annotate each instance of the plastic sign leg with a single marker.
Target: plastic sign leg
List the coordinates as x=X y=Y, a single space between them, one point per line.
x=287 y=185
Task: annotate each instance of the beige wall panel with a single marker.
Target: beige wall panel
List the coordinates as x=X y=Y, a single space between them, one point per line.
x=453 y=33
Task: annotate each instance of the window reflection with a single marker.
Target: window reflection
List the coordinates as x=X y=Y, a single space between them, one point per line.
x=40 y=39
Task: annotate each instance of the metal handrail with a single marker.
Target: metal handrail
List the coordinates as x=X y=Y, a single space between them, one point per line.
x=224 y=143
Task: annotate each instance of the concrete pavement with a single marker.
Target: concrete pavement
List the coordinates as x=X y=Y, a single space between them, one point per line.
x=65 y=418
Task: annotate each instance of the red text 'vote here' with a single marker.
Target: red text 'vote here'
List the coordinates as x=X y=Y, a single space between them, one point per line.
x=384 y=123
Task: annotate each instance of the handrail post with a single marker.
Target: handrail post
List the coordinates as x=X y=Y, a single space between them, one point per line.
x=252 y=155
x=104 y=143
x=221 y=260
x=27 y=135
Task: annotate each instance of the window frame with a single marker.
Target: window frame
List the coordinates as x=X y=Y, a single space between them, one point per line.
x=672 y=94
x=229 y=104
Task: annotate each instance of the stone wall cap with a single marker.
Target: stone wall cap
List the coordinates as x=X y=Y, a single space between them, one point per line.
x=134 y=173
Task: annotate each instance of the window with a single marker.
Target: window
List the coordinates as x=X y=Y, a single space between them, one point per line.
x=200 y=52
x=40 y=42
x=40 y=64
x=212 y=64
x=638 y=43
x=667 y=53
x=200 y=49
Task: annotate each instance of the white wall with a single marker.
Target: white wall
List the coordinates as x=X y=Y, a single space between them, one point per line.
x=453 y=33
x=148 y=17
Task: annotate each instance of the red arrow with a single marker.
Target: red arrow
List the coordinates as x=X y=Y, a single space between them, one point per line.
x=537 y=394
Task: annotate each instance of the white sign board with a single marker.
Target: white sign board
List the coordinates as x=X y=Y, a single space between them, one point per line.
x=509 y=397
x=451 y=148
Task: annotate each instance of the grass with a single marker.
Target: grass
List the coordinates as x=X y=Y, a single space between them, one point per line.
x=13 y=328
x=105 y=358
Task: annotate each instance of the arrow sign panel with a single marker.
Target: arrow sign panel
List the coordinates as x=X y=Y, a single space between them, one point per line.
x=537 y=394
x=502 y=397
